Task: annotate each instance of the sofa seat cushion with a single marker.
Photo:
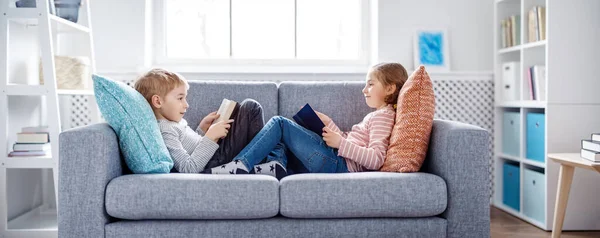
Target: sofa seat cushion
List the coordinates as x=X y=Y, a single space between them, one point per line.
x=192 y=196
x=364 y=194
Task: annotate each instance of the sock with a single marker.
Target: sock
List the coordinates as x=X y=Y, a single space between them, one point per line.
x=272 y=168
x=233 y=167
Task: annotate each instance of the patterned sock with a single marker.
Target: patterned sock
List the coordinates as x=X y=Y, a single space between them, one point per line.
x=233 y=167
x=272 y=168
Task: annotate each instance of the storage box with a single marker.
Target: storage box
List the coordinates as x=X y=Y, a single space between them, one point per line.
x=534 y=187
x=510 y=80
x=535 y=135
x=510 y=186
x=71 y=72
x=511 y=140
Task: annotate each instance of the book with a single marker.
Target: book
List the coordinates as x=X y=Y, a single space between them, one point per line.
x=541 y=11
x=308 y=118
x=35 y=129
x=540 y=78
x=28 y=153
x=41 y=137
x=590 y=155
x=596 y=137
x=31 y=147
x=591 y=145
x=225 y=110
x=515 y=22
x=531 y=29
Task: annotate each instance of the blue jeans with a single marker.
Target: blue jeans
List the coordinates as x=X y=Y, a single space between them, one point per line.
x=304 y=144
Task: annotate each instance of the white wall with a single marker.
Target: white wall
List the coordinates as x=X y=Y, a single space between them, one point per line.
x=469 y=24
x=119 y=32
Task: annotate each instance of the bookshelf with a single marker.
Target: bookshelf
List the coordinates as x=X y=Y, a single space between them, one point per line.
x=29 y=184
x=569 y=112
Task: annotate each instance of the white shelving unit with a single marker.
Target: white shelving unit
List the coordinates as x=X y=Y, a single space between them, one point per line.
x=41 y=221
x=571 y=109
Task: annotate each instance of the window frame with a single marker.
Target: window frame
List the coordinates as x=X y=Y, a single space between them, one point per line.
x=157 y=26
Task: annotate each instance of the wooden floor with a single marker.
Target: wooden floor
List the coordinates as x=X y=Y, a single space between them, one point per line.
x=506 y=225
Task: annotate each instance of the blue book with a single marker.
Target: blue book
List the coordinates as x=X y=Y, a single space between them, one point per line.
x=308 y=118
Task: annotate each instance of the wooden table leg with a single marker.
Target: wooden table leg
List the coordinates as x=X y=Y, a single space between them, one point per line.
x=565 y=177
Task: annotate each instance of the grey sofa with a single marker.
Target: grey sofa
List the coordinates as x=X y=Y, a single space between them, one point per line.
x=449 y=197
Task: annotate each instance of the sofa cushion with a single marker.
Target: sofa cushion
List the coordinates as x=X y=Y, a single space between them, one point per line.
x=132 y=119
x=344 y=102
x=205 y=97
x=192 y=196
x=363 y=194
x=414 y=118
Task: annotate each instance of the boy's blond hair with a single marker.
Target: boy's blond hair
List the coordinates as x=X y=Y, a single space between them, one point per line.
x=158 y=82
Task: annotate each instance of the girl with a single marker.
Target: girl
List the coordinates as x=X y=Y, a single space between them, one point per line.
x=361 y=149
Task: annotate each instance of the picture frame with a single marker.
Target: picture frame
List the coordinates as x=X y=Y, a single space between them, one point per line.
x=431 y=50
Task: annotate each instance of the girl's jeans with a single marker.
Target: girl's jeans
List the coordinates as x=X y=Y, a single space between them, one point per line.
x=307 y=146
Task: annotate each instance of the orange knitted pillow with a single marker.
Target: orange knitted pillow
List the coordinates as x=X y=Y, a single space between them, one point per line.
x=414 y=118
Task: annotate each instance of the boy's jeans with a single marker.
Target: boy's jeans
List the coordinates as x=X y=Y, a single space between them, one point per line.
x=306 y=145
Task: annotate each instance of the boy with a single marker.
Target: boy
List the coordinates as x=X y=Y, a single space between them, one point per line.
x=209 y=146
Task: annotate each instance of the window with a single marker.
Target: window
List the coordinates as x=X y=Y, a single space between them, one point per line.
x=289 y=31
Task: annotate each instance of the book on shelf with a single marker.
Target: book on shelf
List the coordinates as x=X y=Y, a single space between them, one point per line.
x=596 y=137
x=510 y=34
x=536 y=24
x=28 y=153
x=35 y=129
x=225 y=110
x=536 y=79
x=31 y=147
x=590 y=155
x=33 y=137
x=308 y=118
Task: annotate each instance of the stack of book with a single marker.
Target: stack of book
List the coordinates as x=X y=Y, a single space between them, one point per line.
x=32 y=141
x=590 y=149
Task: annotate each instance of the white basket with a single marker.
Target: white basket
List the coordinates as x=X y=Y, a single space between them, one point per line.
x=71 y=72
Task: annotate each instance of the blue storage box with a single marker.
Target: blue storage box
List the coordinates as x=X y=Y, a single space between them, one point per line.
x=510 y=186
x=534 y=187
x=511 y=140
x=535 y=135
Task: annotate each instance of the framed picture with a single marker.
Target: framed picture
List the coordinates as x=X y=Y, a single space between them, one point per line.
x=431 y=50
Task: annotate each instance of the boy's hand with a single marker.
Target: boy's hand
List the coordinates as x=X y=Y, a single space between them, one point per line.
x=323 y=118
x=219 y=130
x=208 y=120
x=332 y=138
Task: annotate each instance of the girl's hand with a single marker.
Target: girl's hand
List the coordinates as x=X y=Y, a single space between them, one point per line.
x=207 y=121
x=332 y=138
x=219 y=130
x=323 y=118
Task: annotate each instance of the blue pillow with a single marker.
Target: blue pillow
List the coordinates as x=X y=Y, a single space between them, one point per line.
x=130 y=115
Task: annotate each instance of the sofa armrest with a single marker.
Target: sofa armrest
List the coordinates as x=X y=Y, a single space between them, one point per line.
x=89 y=159
x=460 y=154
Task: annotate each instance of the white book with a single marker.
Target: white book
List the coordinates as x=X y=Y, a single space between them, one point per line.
x=31 y=147
x=33 y=138
x=34 y=129
x=596 y=137
x=540 y=75
x=28 y=153
x=225 y=110
x=590 y=155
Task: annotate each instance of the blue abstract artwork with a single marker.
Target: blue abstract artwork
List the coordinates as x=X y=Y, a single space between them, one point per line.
x=431 y=48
